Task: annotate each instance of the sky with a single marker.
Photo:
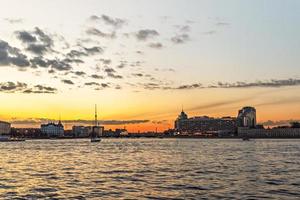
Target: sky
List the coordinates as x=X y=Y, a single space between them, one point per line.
x=143 y=61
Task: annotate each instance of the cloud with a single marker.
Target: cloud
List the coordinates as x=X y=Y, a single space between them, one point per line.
x=138 y=75
x=67 y=82
x=271 y=83
x=26 y=37
x=76 y=53
x=12 y=56
x=11 y=87
x=40 y=89
x=93 y=50
x=156 y=45
x=191 y=86
x=109 y=70
x=278 y=123
x=36 y=41
x=258 y=84
x=79 y=73
x=97 y=32
x=114 y=22
x=92 y=83
x=59 y=65
x=105 y=61
x=212 y=32
x=95 y=76
x=38 y=121
x=222 y=24
x=14 y=21
x=180 y=39
x=145 y=34
x=112 y=75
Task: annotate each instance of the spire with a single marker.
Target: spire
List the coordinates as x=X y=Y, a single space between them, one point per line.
x=96 y=121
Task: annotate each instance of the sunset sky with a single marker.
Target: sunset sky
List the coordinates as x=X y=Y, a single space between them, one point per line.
x=140 y=61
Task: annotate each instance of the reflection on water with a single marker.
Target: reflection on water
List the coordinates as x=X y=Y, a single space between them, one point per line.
x=150 y=169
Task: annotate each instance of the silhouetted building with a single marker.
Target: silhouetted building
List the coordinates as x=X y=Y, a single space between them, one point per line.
x=53 y=130
x=27 y=132
x=82 y=131
x=204 y=124
x=4 y=128
x=247 y=117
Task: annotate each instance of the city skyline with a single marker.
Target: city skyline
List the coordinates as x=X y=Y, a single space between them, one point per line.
x=141 y=61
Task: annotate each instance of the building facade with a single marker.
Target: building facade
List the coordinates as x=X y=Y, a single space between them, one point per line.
x=53 y=130
x=204 y=124
x=4 y=128
x=247 y=117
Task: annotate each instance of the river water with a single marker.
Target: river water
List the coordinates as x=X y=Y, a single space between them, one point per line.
x=150 y=169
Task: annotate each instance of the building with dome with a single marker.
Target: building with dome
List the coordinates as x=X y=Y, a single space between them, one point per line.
x=247 y=117
x=205 y=124
x=52 y=129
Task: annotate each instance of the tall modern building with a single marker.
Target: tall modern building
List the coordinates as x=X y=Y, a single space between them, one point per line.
x=247 y=117
x=204 y=124
x=53 y=130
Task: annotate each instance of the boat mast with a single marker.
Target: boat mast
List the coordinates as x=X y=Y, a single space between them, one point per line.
x=96 y=121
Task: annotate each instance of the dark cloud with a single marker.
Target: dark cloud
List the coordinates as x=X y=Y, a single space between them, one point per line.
x=156 y=45
x=105 y=61
x=93 y=50
x=76 y=53
x=92 y=83
x=39 y=62
x=39 y=49
x=138 y=75
x=97 y=32
x=12 y=56
x=11 y=87
x=59 y=65
x=79 y=73
x=40 y=89
x=145 y=34
x=109 y=70
x=112 y=75
x=67 y=82
x=192 y=86
x=36 y=41
x=96 y=76
x=26 y=37
x=272 y=83
x=180 y=39
x=115 y=22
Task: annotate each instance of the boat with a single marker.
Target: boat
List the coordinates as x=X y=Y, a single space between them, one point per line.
x=94 y=135
x=95 y=139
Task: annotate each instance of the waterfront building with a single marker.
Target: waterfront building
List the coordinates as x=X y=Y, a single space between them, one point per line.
x=81 y=131
x=247 y=117
x=53 y=130
x=204 y=124
x=269 y=133
x=4 y=128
